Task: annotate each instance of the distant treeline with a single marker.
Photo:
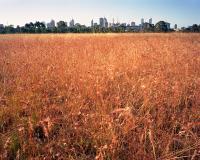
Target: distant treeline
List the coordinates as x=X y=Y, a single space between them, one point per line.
x=193 y=28
x=39 y=27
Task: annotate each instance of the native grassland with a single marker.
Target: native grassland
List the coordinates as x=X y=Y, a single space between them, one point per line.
x=102 y=96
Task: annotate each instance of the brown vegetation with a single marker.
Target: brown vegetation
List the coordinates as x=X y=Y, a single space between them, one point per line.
x=119 y=97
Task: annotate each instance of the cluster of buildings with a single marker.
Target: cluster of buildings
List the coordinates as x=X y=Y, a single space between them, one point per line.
x=103 y=23
x=52 y=24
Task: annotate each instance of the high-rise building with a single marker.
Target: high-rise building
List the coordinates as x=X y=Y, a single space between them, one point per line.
x=175 y=26
x=132 y=24
x=95 y=24
x=92 y=23
x=103 y=22
x=1 y=25
x=168 y=25
x=123 y=24
x=71 y=23
x=51 y=24
x=150 y=21
x=142 y=21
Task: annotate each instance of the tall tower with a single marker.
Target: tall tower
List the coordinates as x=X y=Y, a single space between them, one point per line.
x=92 y=23
x=105 y=22
x=101 y=22
x=132 y=24
x=71 y=23
x=150 y=21
x=51 y=24
x=142 y=21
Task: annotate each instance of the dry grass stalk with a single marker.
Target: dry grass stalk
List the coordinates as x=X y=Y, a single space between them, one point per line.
x=113 y=96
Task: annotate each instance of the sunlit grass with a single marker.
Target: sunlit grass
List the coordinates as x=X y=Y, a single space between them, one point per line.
x=100 y=96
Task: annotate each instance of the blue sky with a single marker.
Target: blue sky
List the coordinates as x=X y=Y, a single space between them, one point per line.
x=182 y=12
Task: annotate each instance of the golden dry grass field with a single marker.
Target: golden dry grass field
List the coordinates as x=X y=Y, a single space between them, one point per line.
x=101 y=96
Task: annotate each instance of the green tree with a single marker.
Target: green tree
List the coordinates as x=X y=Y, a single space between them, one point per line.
x=161 y=26
x=9 y=29
x=61 y=27
x=195 y=28
x=39 y=27
x=2 y=29
x=29 y=28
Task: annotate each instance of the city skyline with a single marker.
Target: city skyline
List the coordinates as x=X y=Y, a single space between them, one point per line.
x=19 y=12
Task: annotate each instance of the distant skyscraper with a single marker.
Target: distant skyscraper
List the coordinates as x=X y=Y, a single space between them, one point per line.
x=103 y=22
x=110 y=24
x=132 y=24
x=123 y=24
x=71 y=23
x=175 y=26
x=92 y=23
x=150 y=21
x=52 y=24
x=168 y=25
x=142 y=21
